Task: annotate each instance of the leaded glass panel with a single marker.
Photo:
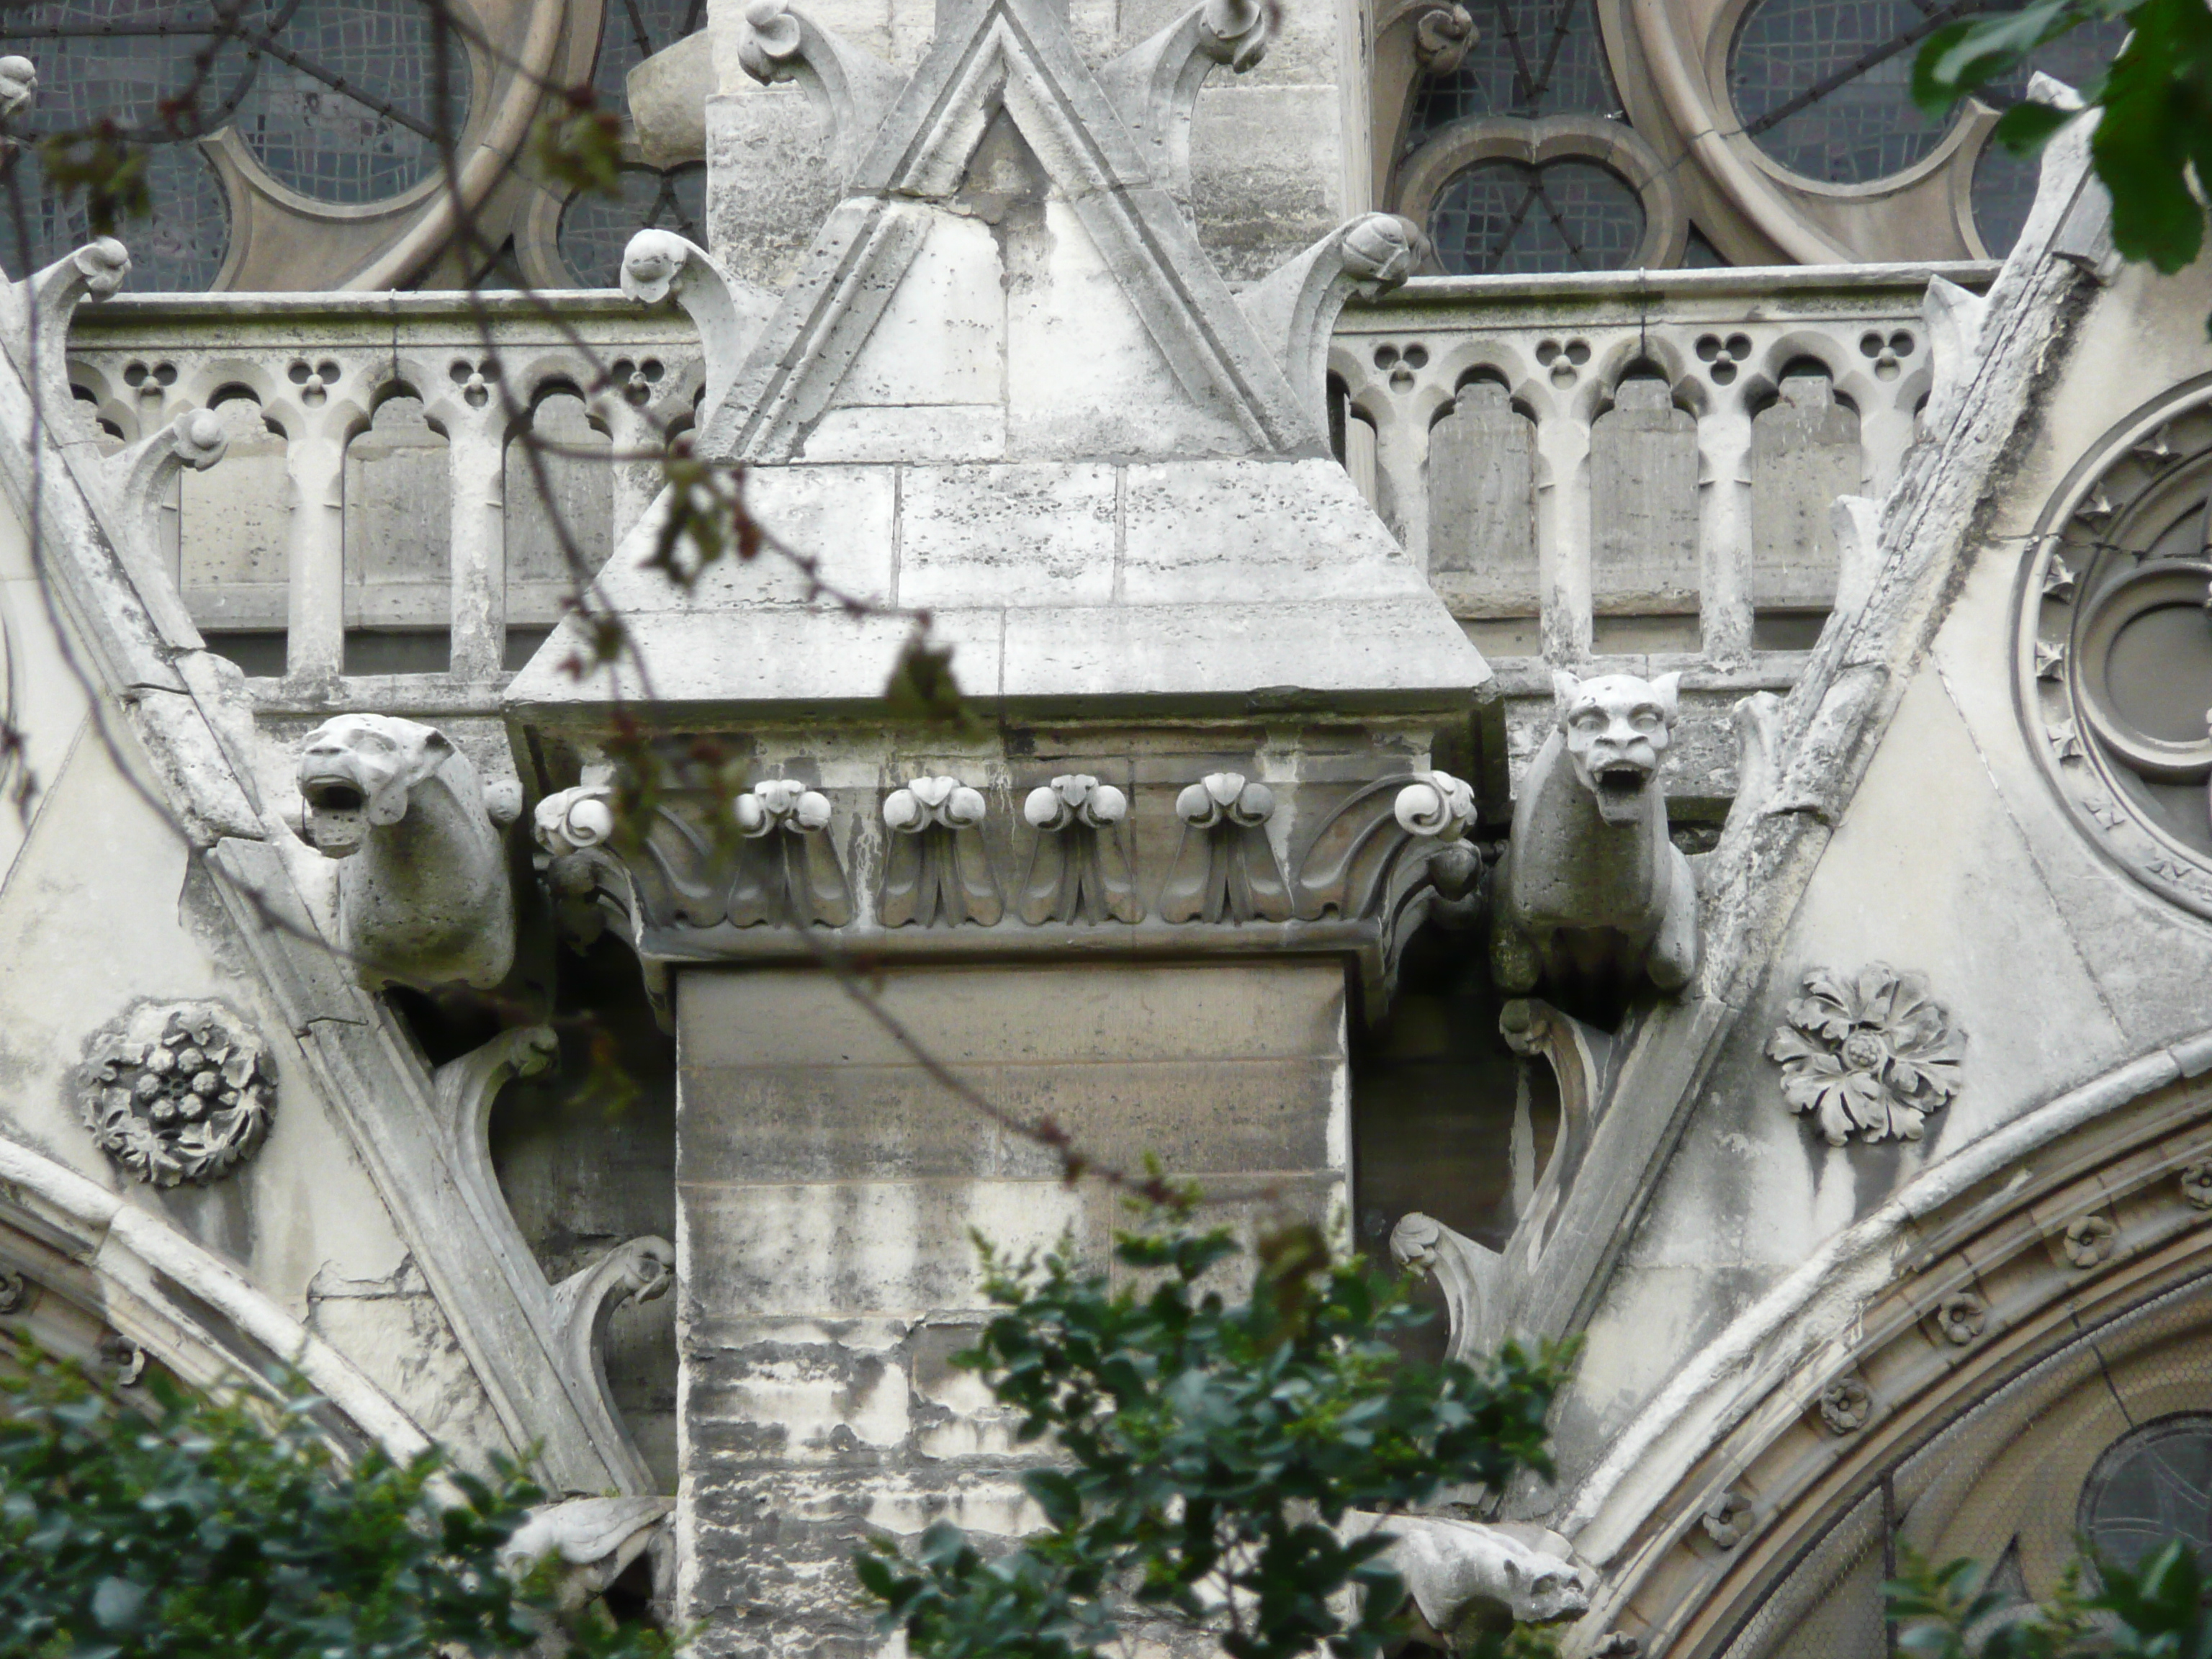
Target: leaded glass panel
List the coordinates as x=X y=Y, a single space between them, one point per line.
x=1530 y=58
x=350 y=113
x=119 y=60
x=2154 y=1484
x=1510 y=216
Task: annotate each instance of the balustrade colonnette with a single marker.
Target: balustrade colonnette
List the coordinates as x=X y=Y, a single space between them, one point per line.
x=1632 y=467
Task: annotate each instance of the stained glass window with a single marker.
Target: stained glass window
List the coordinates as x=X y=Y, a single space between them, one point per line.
x=335 y=98
x=594 y=229
x=1511 y=217
x=344 y=108
x=1825 y=87
x=2154 y=1484
x=1530 y=58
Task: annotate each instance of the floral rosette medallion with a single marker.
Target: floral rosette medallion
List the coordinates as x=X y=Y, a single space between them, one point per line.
x=184 y=1093
x=1870 y=1054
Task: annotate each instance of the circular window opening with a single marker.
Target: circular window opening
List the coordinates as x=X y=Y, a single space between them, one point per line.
x=2153 y=1485
x=351 y=114
x=1511 y=217
x=1826 y=88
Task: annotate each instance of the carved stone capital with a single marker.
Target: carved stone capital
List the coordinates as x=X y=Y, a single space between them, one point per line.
x=179 y=1091
x=851 y=88
x=1294 y=309
x=1155 y=84
x=787 y=866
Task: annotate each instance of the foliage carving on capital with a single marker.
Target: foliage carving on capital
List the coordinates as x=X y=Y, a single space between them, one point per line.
x=1078 y=869
x=1870 y=1054
x=1225 y=868
x=937 y=871
x=181 y=1092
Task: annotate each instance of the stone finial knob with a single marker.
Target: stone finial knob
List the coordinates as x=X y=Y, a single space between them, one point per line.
x=771 y=41
x=1225 y=795
x=19 y=85
x=926 y=801
x=1437 y=803
x=1072 y=796
x=780 y=804
x=571 y=820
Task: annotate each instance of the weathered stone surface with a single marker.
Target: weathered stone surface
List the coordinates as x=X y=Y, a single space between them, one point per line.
x=1482 y=506
x=1804 y=453
x=827 y=1188
x=1644 y=503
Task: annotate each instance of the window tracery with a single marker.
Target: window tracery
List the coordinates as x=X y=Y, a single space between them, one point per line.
x=295 y=143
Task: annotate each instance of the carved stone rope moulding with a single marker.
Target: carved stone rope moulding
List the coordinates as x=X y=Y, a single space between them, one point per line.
x=2113 y=652
x=179 y=1092
x=1869 y=1055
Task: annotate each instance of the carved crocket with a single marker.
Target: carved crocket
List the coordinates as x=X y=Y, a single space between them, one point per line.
x=1591 y=888
x=423 y=892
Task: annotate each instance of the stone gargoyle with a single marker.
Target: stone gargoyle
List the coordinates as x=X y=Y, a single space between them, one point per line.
x=1468 y=1577
x=423 y=894
x=1591 y=888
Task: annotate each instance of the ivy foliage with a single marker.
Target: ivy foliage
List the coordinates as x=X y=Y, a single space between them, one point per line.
x=1206 y=1449
x=170 y=1526
x=2157 y=1610
x=2152 y=148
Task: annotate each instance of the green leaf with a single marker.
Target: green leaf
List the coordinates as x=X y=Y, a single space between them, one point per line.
x=2027 y=126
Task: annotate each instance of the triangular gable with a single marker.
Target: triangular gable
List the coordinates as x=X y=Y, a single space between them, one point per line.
x=1014 y=55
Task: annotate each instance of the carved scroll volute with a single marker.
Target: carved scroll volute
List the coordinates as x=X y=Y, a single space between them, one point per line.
x=642 y=1270
x=658 y=265
x=1374 y=848
x=586 y=883
x=1225 y=868
x=139 y=476
x=852 y=88
x=1156 y=83
x=1471 y=1277
x=35 y=314
x=1442 y=36
x=937 y=871
x=788 y=866
x=1078 y=869
x=1294 y=309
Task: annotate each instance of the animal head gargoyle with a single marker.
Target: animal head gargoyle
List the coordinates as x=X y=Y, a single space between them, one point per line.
x=355 y=773
x=1616 y=727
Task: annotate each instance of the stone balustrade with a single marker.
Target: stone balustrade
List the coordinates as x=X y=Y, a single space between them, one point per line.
x=1634 y=470
x=378 y=535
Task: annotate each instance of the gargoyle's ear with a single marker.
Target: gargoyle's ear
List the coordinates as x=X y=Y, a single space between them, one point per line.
x=1668 y=688
x=1566 y=686
x=388 y=805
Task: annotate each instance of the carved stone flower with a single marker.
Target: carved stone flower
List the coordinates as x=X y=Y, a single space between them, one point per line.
x=1869 y=1055
x=2089 y=1240
x=183 y=1094
x=1845 y=1406
x=2196 y=1185
x=1728 y=1519
x=1961 y=1316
